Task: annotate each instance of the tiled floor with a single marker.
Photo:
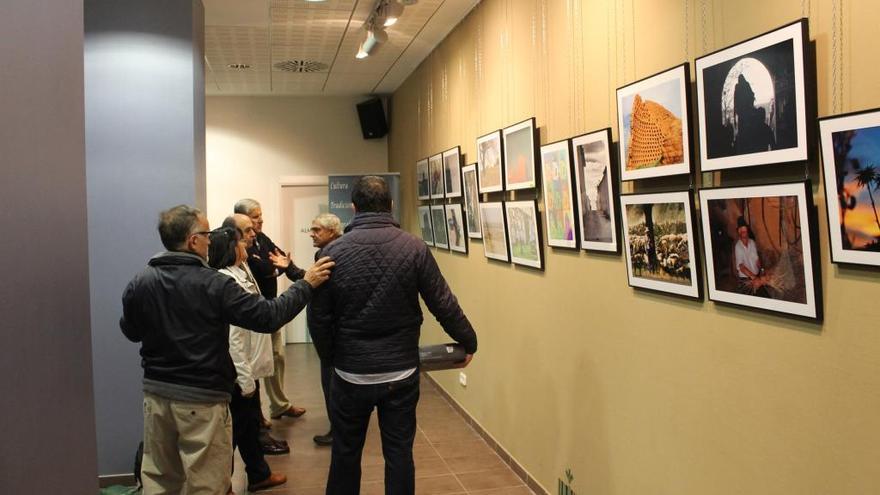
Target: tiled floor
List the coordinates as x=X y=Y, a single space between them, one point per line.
x=450 y=457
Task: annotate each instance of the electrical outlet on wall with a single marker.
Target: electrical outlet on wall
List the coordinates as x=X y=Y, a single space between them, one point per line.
x=462 y=379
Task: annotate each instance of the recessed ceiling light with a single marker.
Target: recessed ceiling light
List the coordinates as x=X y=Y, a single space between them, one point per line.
x=239 y=66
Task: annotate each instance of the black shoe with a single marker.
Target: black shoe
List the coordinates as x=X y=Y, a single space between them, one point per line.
x=325 y=440
x=274 y=449
x=266 y=439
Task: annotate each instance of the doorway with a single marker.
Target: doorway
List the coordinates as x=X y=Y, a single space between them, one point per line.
x=301 y=200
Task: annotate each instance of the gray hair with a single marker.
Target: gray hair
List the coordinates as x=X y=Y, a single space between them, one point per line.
x=329 y=221
x=176 y=224
x=246 y=206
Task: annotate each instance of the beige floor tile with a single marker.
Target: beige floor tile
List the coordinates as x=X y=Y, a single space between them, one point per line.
x=484 y=480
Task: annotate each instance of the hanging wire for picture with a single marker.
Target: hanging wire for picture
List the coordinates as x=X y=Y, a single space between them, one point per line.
x=687 y=55
x=608 y=58
x=703 y=8
x=836 y=56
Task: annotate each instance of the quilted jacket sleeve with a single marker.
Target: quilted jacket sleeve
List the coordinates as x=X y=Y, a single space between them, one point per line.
x=321 y=321
x=442 y=303
x=255 y=313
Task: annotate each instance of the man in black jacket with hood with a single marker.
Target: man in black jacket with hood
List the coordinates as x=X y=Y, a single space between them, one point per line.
x=370 y=311
x=180 y=310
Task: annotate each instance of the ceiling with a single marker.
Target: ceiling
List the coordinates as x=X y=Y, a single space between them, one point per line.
x=263 y=33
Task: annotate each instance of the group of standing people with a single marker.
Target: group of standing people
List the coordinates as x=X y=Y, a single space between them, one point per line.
x=207 y=314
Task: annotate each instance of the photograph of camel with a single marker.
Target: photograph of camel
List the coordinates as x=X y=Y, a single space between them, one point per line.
x=851 y=163
x=658 y=233
x=751 y=101
x=596 y=185
x=760 y=250
x=654 y=125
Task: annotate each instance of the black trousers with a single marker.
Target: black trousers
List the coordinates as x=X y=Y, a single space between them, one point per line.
x=326 y=375
x=350 y=409
x=246 y=434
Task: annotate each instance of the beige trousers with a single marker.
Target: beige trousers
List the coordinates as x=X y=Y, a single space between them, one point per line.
x=274 y=385
x=187 y=447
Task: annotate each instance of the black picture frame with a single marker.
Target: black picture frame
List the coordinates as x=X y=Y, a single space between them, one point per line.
x=559 y=195
x=595 y=167
x=762 y=249
x=490 y=162
x=520 y=143
x=524 y=233
x=762 y=117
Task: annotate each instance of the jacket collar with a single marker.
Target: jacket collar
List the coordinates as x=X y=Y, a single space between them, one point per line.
x=177 y=258
x=372 y=220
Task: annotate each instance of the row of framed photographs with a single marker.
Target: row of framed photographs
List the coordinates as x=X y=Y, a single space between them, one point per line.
x=514 y=146
x=752 y=109
x=760 y=245
x=442 y=226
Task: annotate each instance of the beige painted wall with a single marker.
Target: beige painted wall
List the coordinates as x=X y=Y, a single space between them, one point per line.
x=254 y=141
x=640 y=393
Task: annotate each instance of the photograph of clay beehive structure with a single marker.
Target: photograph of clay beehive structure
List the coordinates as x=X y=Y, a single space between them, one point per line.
x=653 y=121
x=655 y=136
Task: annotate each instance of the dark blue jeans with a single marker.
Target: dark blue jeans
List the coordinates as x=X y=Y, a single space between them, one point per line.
x=350 y=409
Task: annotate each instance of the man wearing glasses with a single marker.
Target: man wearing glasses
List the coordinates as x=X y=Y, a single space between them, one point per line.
x=180 y=310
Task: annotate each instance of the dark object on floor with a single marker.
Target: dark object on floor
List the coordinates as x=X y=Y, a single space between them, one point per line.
x=274 y=479
x=441 y=356
x=293 y=412
x=138 y=462
x=324 y=440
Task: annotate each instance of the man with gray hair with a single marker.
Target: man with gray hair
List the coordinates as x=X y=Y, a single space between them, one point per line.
x=325 y=229
x=265 y=271
x=180 y=310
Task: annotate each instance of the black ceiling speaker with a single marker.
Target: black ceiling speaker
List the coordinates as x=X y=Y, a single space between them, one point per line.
x=372 y=117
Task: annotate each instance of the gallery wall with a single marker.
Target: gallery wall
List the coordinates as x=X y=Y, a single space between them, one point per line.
x=636 y=392
x=252 y=142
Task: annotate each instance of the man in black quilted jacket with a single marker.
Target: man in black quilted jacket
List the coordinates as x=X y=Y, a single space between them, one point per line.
x=370 y=310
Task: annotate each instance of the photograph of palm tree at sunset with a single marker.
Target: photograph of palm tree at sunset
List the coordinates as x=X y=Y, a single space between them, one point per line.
x=851 y=155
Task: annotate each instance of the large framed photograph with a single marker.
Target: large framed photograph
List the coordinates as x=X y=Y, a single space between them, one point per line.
x=438 y=219
x=653 y=121
x=422 y=176
x=751 y=101
x=425 y=225
x=452 y=172
x=851 y=162
x=658 y=231
x=490 y=162
x=596 y=180
x=455 y=228
x=494 y=231
x=524 y=234
x=519 y=155
x=760 y=248
x=435 y=168
x=558 y=185
x=471 y=187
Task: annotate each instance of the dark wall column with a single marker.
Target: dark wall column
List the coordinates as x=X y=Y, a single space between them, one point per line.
x=47 y=421
x=145 y=135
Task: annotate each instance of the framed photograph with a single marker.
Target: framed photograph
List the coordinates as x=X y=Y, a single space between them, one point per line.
x=851 y=163
x=524 y=234
x=519 y=155
x=422 y=176
x=435 y=168
x=760 y=248
x=490 y=162
x=653 y=121
x=455 y=228
x=425 y=225
x=751 y=101
x=559 y=204
x=494 y=231
x=452 y=172
x=471 y=194
x=438 y=219
x=596 y=181
x=658 y=231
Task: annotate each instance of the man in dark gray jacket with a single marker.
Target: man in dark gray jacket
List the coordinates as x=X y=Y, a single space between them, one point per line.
x=370 y=312
x=180 y=310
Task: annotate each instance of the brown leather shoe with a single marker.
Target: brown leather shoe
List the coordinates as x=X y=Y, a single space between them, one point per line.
x=274 y=479
x=293 y=412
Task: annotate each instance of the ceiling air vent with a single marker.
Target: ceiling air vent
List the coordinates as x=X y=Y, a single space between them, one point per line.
x=301 y=66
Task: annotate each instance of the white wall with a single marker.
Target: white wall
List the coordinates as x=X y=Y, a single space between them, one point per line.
x=254 y=141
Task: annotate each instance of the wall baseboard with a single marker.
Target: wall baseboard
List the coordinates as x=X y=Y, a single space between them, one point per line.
x=502 y=453
x=125 y=479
